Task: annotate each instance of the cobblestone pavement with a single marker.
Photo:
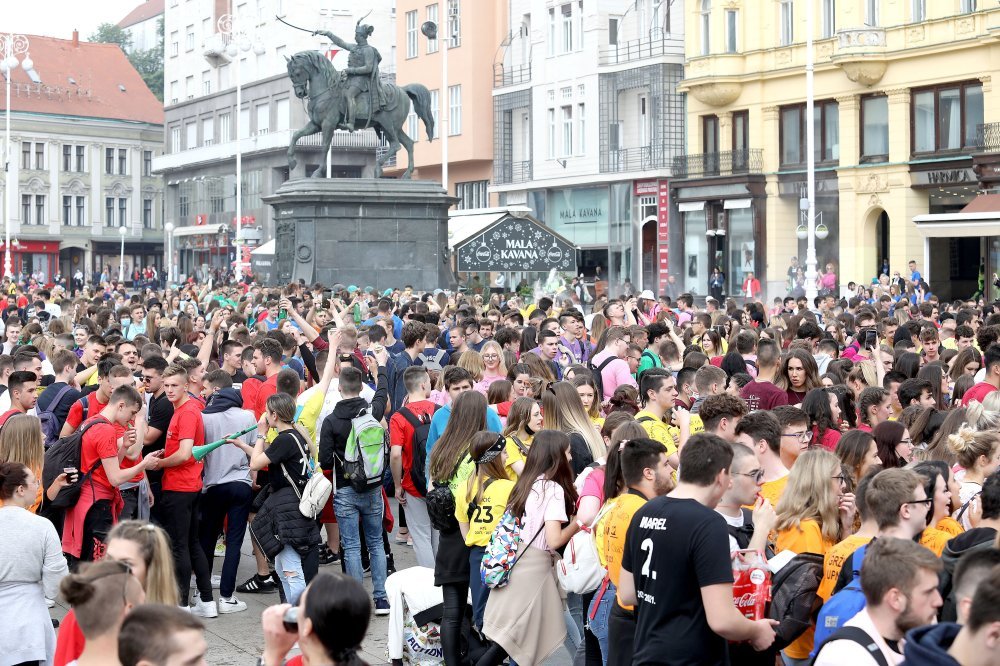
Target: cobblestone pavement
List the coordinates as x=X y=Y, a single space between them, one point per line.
x=235 y=639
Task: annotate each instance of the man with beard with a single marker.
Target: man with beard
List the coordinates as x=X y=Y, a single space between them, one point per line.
x=899 y=579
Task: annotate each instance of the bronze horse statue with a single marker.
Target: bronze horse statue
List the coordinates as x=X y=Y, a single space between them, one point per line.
x=314 y=76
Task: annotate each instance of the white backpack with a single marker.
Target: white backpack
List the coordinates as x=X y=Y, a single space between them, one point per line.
x=580 y=569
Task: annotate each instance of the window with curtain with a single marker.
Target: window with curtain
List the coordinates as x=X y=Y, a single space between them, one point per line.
x=732 y=21
x=875 y=128
x=706 y=27
x=918 y=10
x=946 y=117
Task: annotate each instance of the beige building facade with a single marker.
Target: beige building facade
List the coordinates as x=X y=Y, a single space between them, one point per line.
x=904 y=102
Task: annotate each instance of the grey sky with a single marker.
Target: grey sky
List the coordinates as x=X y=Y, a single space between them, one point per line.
x=58 y=18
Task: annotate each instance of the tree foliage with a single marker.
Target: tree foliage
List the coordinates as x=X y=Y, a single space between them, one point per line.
x=148 y=63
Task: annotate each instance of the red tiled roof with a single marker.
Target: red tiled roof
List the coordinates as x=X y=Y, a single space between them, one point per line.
x=97 y=69
x=145 y=10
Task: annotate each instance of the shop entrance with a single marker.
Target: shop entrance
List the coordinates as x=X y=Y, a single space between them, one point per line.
x=881 y=242
x=650 y=256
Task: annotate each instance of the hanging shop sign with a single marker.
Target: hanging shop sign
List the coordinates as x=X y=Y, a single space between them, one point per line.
x=515 y=244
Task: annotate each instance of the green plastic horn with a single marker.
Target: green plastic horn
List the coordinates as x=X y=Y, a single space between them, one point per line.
x=199 y=452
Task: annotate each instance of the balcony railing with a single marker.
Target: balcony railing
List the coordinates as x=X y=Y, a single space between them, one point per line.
x=511 y=76
x=640 y=158
x=639 y=49
x=725 y=163
x=988 y=137
x=511 y=172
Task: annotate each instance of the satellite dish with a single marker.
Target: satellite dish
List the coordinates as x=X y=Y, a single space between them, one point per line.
x=429 y=29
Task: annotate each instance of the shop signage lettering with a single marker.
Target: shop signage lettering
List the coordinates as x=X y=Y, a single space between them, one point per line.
x=515 y=245
x=944 y=177
x=581 y=214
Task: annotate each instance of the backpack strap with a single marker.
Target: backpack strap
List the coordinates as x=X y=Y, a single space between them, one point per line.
x=410 y=417
x=520 y=445
x=605 y=363
x=859 y=636
x=645 y=419
x=965 y=507
x=57 y=399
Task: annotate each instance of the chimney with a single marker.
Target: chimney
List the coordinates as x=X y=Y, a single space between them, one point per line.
x=76 y=38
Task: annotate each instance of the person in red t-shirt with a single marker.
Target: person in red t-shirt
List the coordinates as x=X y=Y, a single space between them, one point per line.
x=991 y=360
x=177 y=510
x=762 y=393
x=23 y=387
x=110 y=375
x=266 y=362
x=416 y=411
x=105 y=445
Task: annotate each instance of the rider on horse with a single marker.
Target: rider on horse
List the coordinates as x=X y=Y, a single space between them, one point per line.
x=362 y=72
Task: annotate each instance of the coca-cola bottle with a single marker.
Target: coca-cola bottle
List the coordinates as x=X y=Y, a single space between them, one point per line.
x=752 y=586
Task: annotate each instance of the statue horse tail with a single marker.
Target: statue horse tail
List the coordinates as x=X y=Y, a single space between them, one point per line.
x=422 y=106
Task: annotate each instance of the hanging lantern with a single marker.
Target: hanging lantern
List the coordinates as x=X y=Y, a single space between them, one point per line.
x=822 y=231
x=801 y=232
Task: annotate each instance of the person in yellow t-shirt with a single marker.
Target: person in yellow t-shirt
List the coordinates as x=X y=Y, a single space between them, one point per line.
x=523 y=420
x=813 y=513
x=658 y=390
x=941 y=527
x=480 y=502
x=834 y=559
x=645 y=469
x=761 y=431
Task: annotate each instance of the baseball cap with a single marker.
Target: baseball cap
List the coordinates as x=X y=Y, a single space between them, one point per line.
x=647 y=294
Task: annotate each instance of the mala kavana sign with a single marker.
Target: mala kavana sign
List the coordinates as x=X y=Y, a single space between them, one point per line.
x=516 y=245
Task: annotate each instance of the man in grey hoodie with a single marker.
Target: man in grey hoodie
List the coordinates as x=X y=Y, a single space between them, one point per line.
x=226 y=481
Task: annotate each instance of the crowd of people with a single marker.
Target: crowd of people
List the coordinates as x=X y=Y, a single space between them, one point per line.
x=843 y=451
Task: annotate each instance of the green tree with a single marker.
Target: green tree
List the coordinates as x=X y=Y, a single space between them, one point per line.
x=109 y=33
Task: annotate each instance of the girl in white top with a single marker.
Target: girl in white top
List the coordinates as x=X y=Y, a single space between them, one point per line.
x=979 y=453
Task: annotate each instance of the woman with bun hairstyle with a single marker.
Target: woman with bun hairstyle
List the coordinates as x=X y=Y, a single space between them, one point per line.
x=332 y=619
x=101 y=596
x=31 y=566
x=145 y=548
x=523 y=421
x=978 y=452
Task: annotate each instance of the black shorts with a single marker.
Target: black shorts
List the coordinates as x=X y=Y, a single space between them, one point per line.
x=96 y=525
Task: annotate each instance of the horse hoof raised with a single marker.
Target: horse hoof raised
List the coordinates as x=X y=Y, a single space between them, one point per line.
x=292 y=163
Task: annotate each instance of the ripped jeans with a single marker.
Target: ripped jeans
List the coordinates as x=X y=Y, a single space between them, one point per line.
x=288 y=566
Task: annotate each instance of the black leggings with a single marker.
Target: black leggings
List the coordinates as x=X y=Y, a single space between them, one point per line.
x=455 y=599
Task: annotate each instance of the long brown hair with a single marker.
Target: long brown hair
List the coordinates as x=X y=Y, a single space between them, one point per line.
x=493 y=469
x=468 y=416
x=546 y=458
x=519 y=415
x=563 y=410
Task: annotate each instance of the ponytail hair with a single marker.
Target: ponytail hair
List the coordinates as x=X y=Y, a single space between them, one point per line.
x=968 y=444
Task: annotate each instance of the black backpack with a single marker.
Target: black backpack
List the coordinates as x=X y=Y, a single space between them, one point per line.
x=421 y=428
x=595 y=372
x=855 y=635
x=744 y=534
x=50 y=422
x=64 y=454
x=794 y=602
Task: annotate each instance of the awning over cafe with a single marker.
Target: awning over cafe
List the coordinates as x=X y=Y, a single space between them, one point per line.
x=514 y=243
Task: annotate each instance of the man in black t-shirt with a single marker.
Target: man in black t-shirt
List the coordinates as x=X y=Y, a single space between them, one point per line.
x=64 y=365
x=160 y=412
x=676 y=568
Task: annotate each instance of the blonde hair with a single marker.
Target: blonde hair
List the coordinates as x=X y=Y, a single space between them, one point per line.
x=983 y=415
x=472 y=361
x=968 y=445
x=495 y=346
x=809 y=494
x=21 y=441
x=154 y=546
x=563 y=410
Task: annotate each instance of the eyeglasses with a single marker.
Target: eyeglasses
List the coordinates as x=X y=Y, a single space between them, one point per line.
x=146 y=379
x=801 y=436
x=907 y=441
x=928 y=502
x=757 y=475
x=485 y=356
x=841 y=478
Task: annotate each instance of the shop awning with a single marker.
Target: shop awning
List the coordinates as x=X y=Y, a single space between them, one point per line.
x=266 y=248
x=980 y=217
x=514 y=243
x=690 y=206
x=199 y=230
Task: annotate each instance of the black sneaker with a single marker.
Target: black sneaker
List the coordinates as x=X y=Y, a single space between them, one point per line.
x=327 y=556
x=257 y=584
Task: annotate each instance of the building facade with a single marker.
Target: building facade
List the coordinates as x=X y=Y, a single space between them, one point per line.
x=588 y=123
x=141 y=25
x=204 y=129
x=474 y=29
x=902 y=95
x=85 y=130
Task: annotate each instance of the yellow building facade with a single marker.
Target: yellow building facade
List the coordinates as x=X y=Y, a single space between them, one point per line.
x=903 y=102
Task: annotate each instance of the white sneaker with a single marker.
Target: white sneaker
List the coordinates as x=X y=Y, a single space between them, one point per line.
x=216 y=582
x=205 y=609
x=185 y=608
x=231 y=605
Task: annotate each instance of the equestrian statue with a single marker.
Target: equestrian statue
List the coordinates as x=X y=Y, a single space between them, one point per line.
x=355 y=98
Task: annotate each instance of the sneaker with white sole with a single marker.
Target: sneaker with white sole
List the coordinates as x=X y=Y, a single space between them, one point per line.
x=231 y=605
x=205 y=609
x=381 y=606
x=220 y=548
x=216 y=582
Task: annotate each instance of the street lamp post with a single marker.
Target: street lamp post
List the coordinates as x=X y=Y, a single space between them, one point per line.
x=169 y=263
x=122 y=231
x=240 y=39
x=810 y=162
x=11 y=46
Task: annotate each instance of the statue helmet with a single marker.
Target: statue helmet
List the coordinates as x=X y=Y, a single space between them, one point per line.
x=364 y=28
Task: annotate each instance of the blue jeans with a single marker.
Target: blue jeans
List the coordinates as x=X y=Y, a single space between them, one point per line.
x=480 y=593
x=348 y=505
x=598 y=614
x=288 y=566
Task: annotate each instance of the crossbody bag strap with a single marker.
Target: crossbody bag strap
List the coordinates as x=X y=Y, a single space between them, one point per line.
x=284 y=470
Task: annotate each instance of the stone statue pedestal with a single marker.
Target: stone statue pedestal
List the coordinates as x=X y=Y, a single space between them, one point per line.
x=364 y=231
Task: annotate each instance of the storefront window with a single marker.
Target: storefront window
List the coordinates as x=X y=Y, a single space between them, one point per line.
x=742 y=249
x=696 y=270
x=580 y=215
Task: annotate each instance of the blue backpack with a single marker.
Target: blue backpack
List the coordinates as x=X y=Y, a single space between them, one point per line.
x=842 y=606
